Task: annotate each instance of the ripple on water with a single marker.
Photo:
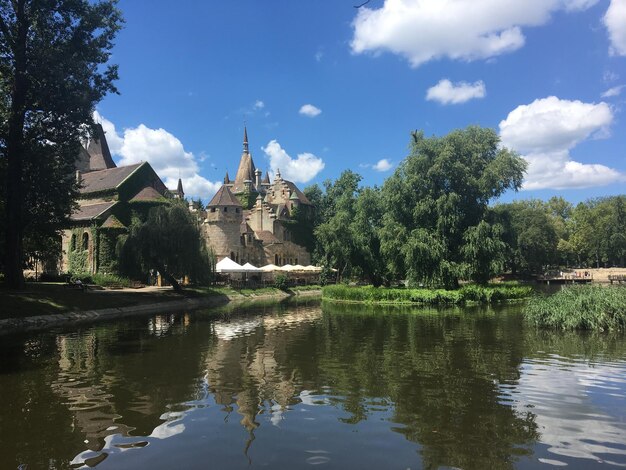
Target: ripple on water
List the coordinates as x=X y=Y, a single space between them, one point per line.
x=580 y=407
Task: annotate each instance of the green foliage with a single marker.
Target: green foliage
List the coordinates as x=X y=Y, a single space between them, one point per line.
x=78 y=261
x=169 y=241
x=104 y=280
x=530 y=233
x=580 y=308
x=281 y=282
x=470 y=293
x=53 y=74
x=599 y=231
x=436 y=207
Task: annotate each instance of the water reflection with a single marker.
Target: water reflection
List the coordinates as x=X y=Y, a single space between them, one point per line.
x=296 y=386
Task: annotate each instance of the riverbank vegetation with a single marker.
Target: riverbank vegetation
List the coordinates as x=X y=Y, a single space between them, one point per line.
x=467 y=294
x=434 y=222
x=44 y=298
x=580 y=308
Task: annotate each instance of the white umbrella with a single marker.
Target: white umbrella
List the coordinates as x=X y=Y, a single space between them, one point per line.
x=227 y=265
x=299 y=267
x=249 y=268
x=270 y=267
x=315 y=269
x=287 y=267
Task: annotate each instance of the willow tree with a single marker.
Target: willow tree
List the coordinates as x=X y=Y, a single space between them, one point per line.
x=52 y=73
x=169 y=241
x=435 y=229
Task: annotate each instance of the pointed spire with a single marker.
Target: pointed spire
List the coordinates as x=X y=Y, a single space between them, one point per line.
x=226 y=178
x=179 y=189
x=245 y=139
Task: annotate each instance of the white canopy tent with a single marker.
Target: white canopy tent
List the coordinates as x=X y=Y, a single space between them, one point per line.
x=227 y=265
x=270 y=268
x=250 y=268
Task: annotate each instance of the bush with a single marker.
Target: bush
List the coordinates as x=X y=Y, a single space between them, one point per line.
x=580 y=308
x=281 y=282
x=470 y=293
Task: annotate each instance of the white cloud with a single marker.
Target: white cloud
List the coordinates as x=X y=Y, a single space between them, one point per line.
x=546 y=130
x=615 y=21
x=299 y=170
x=611 y=92
x=446 y=92
x=163 y=151
x=424 y=30
x=258 y=104
x=383 y=165
x=310 y=110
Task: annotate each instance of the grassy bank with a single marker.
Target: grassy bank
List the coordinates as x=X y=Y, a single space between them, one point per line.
x=55 y=298
x=580 y=308
x=467 y=294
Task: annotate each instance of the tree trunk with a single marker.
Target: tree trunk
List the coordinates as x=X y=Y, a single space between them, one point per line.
x=15 y=156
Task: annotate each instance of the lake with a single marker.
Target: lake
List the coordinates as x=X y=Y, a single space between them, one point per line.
x=314 y=385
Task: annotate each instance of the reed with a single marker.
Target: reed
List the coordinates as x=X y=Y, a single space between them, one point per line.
x=586 y=307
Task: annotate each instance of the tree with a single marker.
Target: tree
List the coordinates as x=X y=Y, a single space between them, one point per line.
x=52 y=54
x=530 y=233
x=436 y=201
x=169 y=240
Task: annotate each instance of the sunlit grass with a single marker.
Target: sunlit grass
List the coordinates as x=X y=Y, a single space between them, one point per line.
x=580 y=308
x=467 y=294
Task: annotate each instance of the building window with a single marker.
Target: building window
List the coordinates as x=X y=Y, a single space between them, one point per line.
x=73 y=242
x=296 y=261
x=85 y=241
x=237 y=210
x=232 y=255
x=212 y=209
x=225 y=209
x=276 y=260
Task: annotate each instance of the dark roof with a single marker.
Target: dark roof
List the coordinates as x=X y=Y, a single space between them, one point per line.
x=179 y=188
x=104 y=180
x=294 y=189
x=266 y=179
x=224 y=197
x=148 y=194
x=98 y=150
x=267 y=237
x=91 y=211
x=112 y=222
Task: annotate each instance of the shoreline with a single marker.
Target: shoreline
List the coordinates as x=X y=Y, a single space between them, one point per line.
x=15 y=325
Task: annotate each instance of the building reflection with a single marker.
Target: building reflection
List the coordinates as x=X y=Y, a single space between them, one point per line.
x=437 y=379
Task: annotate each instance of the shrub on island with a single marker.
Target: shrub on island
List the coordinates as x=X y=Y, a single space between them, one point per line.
x=468 y=294
x=580 y=308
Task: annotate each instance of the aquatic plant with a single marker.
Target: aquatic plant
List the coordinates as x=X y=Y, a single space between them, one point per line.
x=470 y=293
x=580 y=308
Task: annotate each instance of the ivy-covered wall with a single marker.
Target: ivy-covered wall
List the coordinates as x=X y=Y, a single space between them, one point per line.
x=107 y=258
x=79 y=258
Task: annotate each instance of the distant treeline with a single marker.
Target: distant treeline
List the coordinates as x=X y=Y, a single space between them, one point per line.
x=434 y=221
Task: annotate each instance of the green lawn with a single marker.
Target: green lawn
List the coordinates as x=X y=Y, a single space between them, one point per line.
x=51 y=298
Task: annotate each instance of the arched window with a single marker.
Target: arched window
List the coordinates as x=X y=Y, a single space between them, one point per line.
x=276 y=260
x=73 y=242
x=232 y=255
x=85 y=241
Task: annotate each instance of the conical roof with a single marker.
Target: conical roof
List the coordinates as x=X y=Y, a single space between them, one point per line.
x=98 y=150
x=224 y=197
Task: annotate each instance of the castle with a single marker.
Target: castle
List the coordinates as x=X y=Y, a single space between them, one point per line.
x=248 y=219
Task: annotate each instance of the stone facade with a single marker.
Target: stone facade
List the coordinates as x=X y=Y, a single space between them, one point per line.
x=248 y=219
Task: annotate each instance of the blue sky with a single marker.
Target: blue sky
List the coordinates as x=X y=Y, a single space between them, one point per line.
x=325 y=87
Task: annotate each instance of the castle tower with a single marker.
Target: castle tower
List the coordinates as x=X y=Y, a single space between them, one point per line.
x=246 y=172
x=224 y=215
